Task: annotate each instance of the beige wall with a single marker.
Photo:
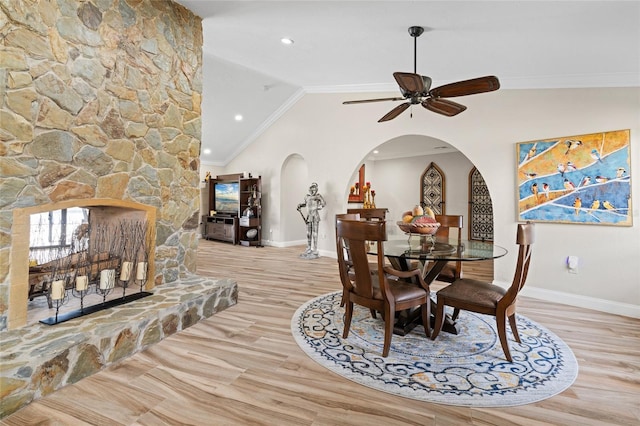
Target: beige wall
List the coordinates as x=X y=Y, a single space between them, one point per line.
x=333 y=139
x=397 y=184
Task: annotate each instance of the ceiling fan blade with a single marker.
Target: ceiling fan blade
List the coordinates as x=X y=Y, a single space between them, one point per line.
x=443 y=106
x=362 y=101
x=410 y=83
x=466 y=87
x=395 y=112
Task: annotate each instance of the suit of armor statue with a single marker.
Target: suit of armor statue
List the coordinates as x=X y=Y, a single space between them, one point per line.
x=314 y=202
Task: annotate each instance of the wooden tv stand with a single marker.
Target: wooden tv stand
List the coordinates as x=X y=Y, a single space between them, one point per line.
x=221 y=227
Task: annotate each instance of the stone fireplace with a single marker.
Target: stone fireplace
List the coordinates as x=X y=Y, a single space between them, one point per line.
x=99 y=108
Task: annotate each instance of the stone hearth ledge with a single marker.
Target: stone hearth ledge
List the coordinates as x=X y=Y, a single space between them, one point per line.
x=38 y=359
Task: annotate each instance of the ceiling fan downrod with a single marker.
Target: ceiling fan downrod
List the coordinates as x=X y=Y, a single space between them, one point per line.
x=415 y=32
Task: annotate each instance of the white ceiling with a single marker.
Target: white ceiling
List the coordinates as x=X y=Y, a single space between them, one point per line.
x=355 y=46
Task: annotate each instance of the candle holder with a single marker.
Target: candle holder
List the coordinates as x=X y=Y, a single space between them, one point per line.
x=58 y=296
x=104 y=292
x=124 y=284
x=125 y=277
x=107 y=283
x=141 y=274
x=81 y=289
x=112 y=259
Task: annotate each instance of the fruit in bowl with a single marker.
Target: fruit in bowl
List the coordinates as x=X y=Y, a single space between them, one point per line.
x=420 y=224
x=410 y=215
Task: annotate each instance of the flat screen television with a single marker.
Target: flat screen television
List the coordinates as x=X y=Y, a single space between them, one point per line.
x=226 y=197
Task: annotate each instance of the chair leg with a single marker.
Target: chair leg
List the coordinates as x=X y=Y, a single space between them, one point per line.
x=389 y=316
x=348 y=312
x=344 y=297
x=373 y=313
x=437 y=326
x=426 y=317
x=501 y=321
x=514 y=327
x=456 y=312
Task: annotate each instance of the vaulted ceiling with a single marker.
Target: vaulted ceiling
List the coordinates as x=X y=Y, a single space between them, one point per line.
x=355 y=46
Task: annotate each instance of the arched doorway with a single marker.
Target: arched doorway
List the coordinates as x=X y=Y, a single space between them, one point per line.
x=397 y=171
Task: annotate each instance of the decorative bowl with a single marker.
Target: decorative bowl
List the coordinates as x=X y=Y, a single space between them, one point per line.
x=419 y=228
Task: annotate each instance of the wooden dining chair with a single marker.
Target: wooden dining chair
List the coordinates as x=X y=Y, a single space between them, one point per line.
x=376 y=289
x=346 y=255
x=451 y=271
x=485 y=298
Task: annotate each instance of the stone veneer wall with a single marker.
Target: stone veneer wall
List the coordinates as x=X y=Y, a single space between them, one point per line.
x=101 y=99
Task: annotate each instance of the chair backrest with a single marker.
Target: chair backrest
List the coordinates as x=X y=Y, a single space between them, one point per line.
x=370 y=214
x=346 y=216
x=525 y=238
x=357 y=235
x=446 y=223
x=342 y=249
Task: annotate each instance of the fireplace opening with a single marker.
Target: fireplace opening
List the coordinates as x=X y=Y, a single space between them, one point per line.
x=84 y=259
x=70 y=259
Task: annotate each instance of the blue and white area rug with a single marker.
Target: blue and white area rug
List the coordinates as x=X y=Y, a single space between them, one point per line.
x=467 y=369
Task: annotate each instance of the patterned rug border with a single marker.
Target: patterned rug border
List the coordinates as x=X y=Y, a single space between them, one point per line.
x=360 y=361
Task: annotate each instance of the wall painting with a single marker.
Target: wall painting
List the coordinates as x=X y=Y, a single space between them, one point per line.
x=584 y=179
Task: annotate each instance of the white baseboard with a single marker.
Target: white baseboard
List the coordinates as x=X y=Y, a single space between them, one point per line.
x=281 y=244
x=602 y=305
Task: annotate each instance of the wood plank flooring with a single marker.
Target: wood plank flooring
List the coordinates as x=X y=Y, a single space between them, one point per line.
x=242 y=366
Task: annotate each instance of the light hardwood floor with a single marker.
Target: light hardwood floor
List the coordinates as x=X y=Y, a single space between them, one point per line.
x=242 y=366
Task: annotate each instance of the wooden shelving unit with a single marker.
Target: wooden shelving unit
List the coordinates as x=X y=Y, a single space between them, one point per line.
x=244 y=226
x=250 y=221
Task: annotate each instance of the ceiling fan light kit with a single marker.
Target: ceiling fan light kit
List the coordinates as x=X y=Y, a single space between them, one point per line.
x=416 y=89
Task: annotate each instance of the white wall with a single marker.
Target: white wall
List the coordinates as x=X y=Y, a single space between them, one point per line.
x=397 y=184
x=296 y=175
x=334 y=139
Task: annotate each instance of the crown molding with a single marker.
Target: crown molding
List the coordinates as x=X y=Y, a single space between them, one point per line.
x=568 y=81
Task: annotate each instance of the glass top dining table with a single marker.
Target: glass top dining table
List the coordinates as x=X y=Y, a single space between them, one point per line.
x=419 y=247
x=435 y=253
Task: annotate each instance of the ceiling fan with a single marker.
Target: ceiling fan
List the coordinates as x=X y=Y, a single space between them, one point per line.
x=416 y=89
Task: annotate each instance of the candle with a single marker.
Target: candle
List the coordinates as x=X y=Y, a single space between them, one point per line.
x=57 y=290
x=125 y=273
x=141 y=273
x=82 y=282
x=107 y=278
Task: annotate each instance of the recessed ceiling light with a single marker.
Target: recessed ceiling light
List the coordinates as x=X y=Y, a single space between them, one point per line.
x=238 y=117
x=286 y=41
x=375 y=151
x=207 y=151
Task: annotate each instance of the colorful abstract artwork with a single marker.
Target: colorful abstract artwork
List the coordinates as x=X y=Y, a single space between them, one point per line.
x=581 y=179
